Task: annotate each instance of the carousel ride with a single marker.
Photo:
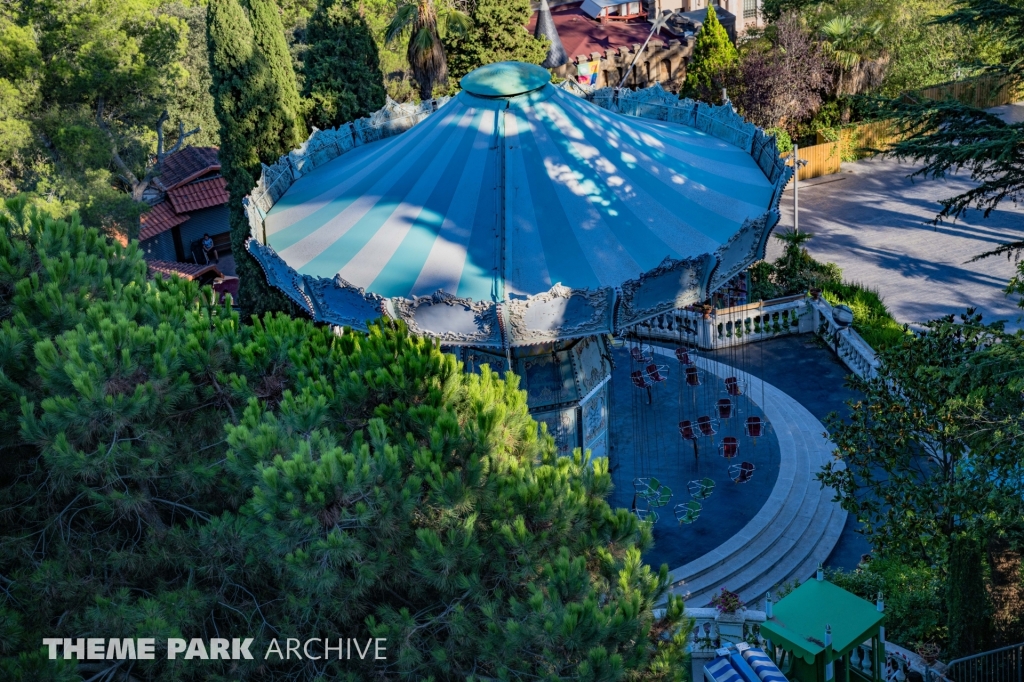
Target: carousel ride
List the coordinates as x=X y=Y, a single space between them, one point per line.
x=532 y=227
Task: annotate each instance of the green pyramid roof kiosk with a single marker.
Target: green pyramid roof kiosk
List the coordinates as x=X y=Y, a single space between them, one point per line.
x=818 y=625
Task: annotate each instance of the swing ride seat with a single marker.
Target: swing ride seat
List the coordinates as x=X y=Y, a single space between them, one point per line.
x=693 y=376
x=646 y=514
x=638 y=354
x=657 y=373
x=730 y=447
x=639 y=380
x=724 y=409
x=653 y=491
x=707 y=426
x=734 y=387
x=687 y=512
x=686 y=430
x=755 y=427
x=700 y=490
x=685 y=357
x=742 y=472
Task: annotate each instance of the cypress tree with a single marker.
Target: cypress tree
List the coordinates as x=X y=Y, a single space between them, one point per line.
x=713 y=55
x=342 y=66
x=255 y=127
x=498 y=34
x=967 y=598
x=269 y=35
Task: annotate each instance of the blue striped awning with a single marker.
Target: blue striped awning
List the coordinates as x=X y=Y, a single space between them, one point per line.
x=498 y=198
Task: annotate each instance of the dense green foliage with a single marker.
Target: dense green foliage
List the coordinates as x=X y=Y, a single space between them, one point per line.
x=343 y=80
x=252 y=97
x=81 y=88
x=929 y=461
x=424 y=25
x=498 y=34
x=915 y=609
x=713 y=55
x=182 y=474
x=951 y=137
x=795 y=272
x=967 y=597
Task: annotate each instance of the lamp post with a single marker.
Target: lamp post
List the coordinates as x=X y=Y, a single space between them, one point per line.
x=656 y=26
x=797 y=164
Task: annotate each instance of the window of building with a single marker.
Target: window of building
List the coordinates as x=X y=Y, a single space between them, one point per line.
x=749 y=9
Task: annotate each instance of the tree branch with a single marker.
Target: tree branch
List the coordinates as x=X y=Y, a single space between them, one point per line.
x=121 y=165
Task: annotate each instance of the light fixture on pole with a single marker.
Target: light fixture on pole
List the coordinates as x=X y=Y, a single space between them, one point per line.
x=797 y=164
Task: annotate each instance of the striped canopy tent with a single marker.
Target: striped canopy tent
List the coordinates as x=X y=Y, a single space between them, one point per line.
x=518 y=212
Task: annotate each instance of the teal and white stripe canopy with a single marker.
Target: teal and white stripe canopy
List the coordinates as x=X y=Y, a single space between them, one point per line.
x=516 y=186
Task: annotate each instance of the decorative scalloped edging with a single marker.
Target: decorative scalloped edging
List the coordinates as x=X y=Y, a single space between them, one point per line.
x=600 y=322
x=697 y=272
x=485 y=317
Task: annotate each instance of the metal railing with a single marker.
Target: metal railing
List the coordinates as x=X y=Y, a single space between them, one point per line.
x=999 y=665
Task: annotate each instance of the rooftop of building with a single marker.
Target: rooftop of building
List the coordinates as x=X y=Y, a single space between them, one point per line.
x=582 y=35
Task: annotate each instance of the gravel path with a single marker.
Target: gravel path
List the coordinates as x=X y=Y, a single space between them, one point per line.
x=874 y=223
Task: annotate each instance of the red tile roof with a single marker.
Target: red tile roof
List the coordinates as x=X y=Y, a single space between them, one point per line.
x=186 y=165
x=582 y=35
x=197 y=195
x=159 y=219
x=184 y=270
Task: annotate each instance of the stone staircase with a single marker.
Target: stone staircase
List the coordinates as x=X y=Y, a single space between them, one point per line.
x=795 y=529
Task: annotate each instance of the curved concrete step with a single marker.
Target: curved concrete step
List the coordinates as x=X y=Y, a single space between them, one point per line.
x=795 y=529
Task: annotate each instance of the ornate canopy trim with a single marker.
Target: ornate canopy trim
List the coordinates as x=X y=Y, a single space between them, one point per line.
x=450 y=319
x=673 y=284
x=558 y=314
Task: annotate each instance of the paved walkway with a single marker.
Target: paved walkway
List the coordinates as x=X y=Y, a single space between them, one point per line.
x=874 y=223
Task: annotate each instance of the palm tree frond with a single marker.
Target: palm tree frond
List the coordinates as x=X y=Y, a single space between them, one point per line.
x=404 y=19
x=453 y=22
x=422 y=40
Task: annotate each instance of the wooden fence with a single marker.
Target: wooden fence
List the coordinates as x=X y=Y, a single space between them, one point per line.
x=822 y=159
x=863 y=139
x=983 y=93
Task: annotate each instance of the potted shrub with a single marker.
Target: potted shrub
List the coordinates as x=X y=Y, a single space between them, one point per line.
x=730 y=623
x=727 y=602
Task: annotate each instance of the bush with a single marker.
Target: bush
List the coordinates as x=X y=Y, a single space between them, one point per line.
x=913 y=598
x=782 y=139
x=871 y=318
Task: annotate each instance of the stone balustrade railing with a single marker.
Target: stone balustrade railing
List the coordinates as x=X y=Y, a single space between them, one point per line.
x=727 y=327
x=847 y=344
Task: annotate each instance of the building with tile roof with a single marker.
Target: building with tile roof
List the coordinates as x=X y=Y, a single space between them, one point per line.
x=191 y=200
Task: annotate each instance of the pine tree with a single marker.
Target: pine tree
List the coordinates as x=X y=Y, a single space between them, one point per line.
x=254 y=128
x=498 y=34
x=713 y=55
x=342 y=66
x=187 y=474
